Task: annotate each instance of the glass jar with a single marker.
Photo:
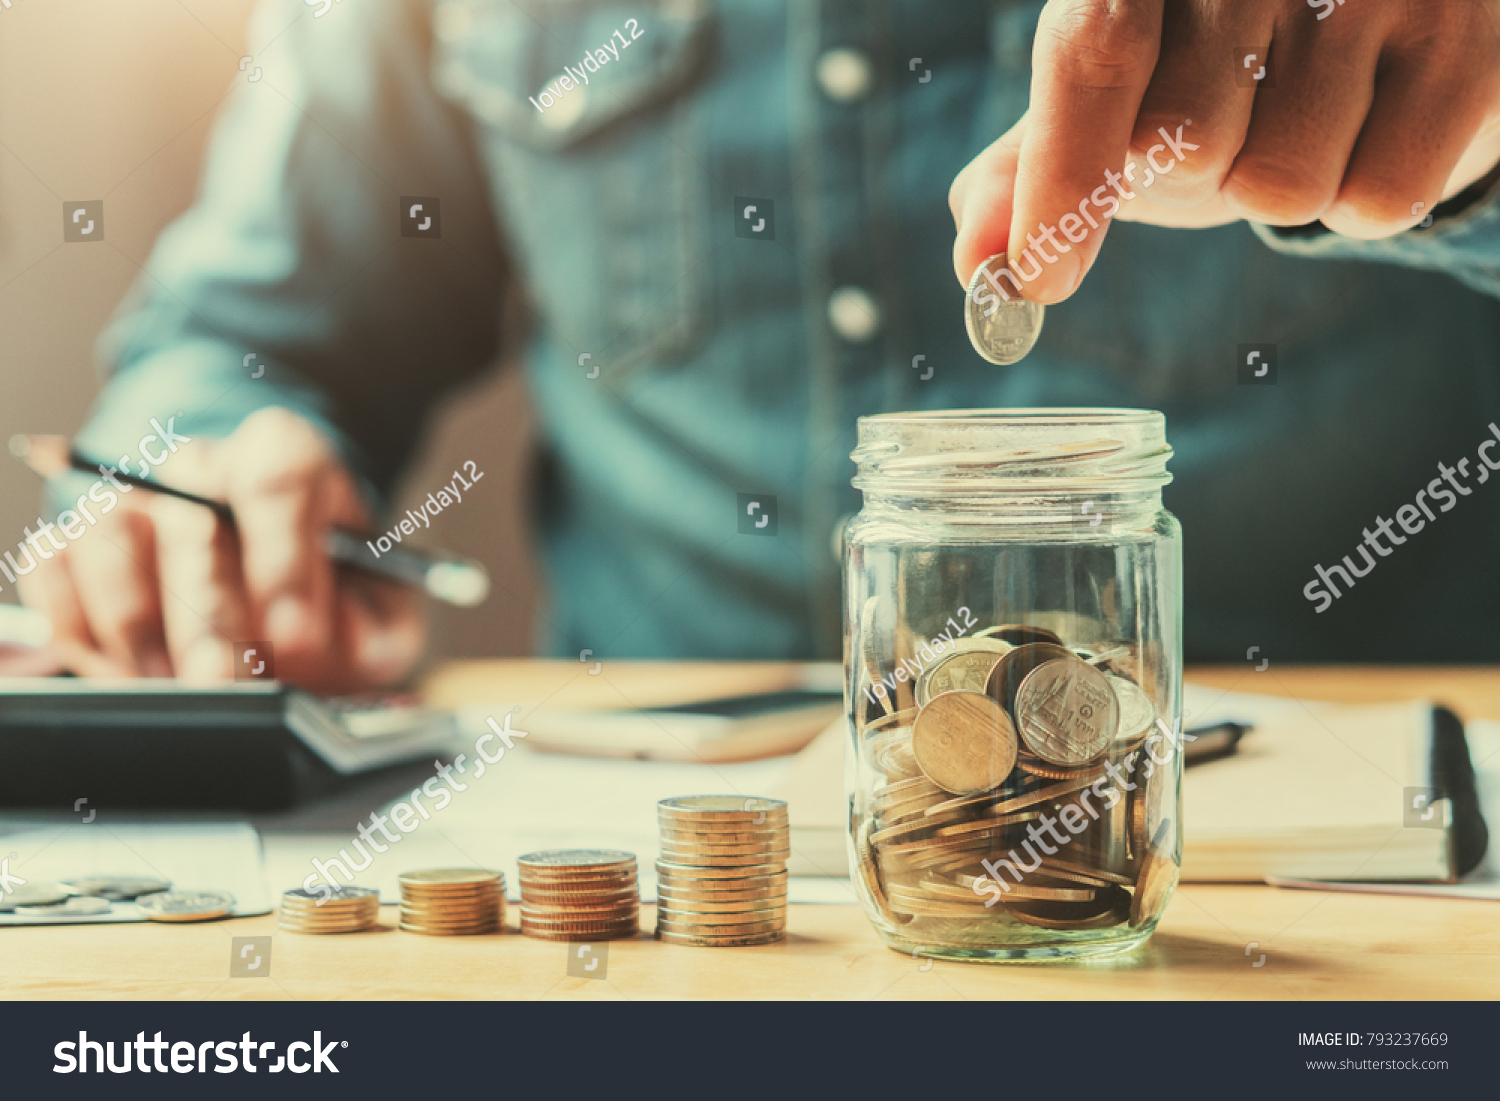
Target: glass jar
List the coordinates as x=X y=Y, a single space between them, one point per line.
x=1013 y=680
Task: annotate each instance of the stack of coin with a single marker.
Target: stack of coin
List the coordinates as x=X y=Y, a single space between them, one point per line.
x=721 y=879
x=450 y=902
x=580 y=895
x=347 y=910
x=1012 y=728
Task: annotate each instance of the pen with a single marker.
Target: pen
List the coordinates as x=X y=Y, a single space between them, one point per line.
x=447 y=578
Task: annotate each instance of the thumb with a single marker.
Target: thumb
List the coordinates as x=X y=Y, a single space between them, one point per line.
x=981 y=199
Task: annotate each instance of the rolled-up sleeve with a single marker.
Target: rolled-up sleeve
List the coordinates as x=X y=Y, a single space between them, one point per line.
x=1462 y=240
x=289 y=281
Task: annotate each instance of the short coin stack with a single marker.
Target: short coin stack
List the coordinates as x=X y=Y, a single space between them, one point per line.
x=721 y=879
x=347 y=910
x=452 y=902
x=580 y=895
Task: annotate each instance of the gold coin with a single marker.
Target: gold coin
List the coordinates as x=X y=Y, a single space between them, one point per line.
x=966 y=883
x=719 y=906
x=1066 y=712
x=1021 y=802
x=964 y=743
x=688 y=913
x=1158 y=877
x=750 y=860
x=689 y=872
x=579 y=912
x=779 y=848
x=747 y=929
x=966 y=668
x=614 y=934
x=919 y=908
x=1036 y=767
x=741 y=941
x=988 y=825
x=614 y=898
x=344 y=923
x=1014 y=667
x=902 y=790
x=1057 y=866
x=731 y=885
x=869 y=872
x=892 y=721
x=565 y=863
x=580 y=884
x=579 y=925
x=1110 y=907
x=326 y=930
x=451 y=877
x=694 y=810
x=726 y=836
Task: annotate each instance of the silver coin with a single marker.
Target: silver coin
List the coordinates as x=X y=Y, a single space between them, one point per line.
x=966 y=666
x=32 y=894
x=1001 y=330
x=83 y=904
x=186 y=905
x=120 y=888
x=1136 y=711
x=1066 y=712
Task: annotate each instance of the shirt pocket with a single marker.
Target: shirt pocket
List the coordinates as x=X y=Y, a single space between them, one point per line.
x=596 y=179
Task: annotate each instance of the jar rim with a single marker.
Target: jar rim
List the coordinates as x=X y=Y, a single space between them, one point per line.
x=1081 y=415
x=1026 y=457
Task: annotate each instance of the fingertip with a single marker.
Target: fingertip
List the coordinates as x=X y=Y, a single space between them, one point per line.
x=293 y=625
x=207 y=661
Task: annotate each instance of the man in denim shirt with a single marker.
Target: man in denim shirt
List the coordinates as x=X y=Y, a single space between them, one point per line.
x=405 y=167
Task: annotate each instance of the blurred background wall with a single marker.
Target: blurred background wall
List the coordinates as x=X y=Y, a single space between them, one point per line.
x=114 y=99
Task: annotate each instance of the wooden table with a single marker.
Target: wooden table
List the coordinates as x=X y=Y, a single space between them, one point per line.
x=1209 y=946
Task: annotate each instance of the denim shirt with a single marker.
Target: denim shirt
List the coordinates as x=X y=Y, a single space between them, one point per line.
x=679 y=359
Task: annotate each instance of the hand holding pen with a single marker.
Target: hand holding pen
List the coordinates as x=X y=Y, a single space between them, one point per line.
x=247 y=546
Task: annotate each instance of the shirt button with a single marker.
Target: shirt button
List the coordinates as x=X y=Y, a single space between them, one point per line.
x=853 y=314
x=845 y=75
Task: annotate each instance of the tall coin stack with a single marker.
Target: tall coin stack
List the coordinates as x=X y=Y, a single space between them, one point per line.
x=721 y=879
x=452 y=902
x=580 y=895
x=346 y=910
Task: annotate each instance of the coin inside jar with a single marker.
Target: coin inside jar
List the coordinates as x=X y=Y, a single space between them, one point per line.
x=1137 y=713
x=1066 y=712
x=1007 y=675
x=1001 y=324
x=967 y=666
x=964 y=743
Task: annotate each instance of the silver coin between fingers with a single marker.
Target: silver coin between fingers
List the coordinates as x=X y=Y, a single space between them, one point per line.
x=1003 y=326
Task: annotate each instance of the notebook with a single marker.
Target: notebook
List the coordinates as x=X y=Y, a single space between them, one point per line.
x=1383 y=792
